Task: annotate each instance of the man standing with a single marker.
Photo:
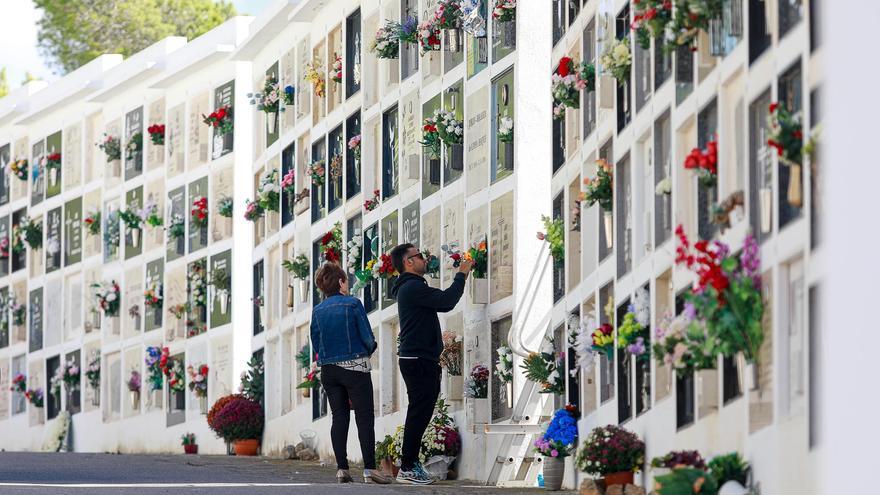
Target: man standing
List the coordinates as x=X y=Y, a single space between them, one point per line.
x=420 y=348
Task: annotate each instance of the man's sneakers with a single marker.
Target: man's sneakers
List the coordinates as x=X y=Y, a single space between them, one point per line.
x=375 y=476
x=417 y=476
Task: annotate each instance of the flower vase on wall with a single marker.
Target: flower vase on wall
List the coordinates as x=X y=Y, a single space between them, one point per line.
x=203 y=404
x=304 y=290
x=115 y=167
x=290 y=298
x=135 y=398
x=452 y=37
x=508 y=34
x=766 y=198
x=53 y=177
x=608 y=217
x=795 y=195
x=271 y=122
x=96 y=397
x=223 y=299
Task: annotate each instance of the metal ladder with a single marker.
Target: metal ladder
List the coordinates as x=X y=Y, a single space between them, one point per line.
x=515 y=465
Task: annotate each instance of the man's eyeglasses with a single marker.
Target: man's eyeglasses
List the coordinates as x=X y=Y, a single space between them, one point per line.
x=417 y=255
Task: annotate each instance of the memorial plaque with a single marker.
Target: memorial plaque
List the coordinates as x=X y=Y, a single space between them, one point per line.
x=111 y=378
x=303 y=94
x=133 y=152
x=271 y=137
x=72 y=167
x=221 y=381
x=221 y=297
x=36 y=172
x=174 y=292
x=197 y=131
x=453 y=231
x=176 y=208
x=153 y=281
x=411 y=223
x=221 y=227
x=36 y=379
x=73 y=231
x=477 y=140
x=130 y=311
x=501 y=255
x=174 y=140
x=410 y=135
x=131 y=362
x=390 y=235
x=430 y=242
x=53 y=240
x=198 y=236
x=222 y=143
x=54 y=318
x=288 y=78
x=52 y=179
x=5 y=158
x=35 y=308
x=73 y=306
x=155 y=155
x=94 y=158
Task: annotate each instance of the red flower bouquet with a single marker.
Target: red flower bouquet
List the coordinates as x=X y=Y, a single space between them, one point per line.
x=705 y=163
x=199 y=212
x=220 y=119
x=157 y=134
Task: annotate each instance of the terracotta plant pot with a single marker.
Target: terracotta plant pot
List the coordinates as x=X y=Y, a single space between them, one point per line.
x=621 y=478
x=246 y=447
x=388 y=466
x=191 y=449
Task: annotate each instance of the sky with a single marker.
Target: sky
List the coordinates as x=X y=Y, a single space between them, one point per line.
x=18 y=46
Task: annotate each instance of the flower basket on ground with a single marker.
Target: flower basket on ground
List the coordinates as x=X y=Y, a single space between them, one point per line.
x=556 y=443
x=157 y=134
x=685 y=481
x=611 y=452
x=385 y=455
x=240 y=421
x=386 y=43
x=730 y=468
x=545 y=368
x=679 y=458
x=188 y=440
x=107 y=297
x=441 y=442
x=220 y=119
x=617 y=60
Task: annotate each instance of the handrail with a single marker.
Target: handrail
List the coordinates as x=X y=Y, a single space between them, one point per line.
x=514 y=338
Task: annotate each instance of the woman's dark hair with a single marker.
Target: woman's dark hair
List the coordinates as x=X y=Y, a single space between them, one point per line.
x=327 y=278
x=397 y=255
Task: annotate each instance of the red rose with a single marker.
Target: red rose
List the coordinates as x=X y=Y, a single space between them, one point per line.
x=563 y=69
x=773 y=107
x=221 y=112
x=327 y=238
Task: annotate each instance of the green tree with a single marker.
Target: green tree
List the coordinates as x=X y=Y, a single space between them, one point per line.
x=28 y=77
x=4 y=84
x=73 y=32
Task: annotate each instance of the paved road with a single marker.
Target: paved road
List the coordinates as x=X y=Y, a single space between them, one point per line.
x=111 y=474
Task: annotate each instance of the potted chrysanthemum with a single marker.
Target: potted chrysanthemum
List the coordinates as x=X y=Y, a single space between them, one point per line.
x=613 y=453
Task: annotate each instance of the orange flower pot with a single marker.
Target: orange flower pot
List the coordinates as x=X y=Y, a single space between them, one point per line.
x=621 y=478
x=246 y=447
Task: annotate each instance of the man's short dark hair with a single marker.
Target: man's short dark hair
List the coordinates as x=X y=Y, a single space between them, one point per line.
x=398 y=254
x=327 y=278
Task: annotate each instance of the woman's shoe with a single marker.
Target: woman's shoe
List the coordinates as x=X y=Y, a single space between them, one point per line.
x=342 y=476
x=376 y=476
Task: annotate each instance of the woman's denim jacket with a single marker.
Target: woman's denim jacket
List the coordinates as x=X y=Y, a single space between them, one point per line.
x=341 y=331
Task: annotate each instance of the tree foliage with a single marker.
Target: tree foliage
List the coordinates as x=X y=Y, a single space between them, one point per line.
x=4 y=84
x=73 y=32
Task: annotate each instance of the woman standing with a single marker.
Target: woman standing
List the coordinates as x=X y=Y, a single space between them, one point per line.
x=343 y=341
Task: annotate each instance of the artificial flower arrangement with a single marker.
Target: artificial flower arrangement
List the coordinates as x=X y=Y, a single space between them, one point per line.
x=179 y=310
x=198 y=213
x=353 y=253
x=220 y=119
x=786 y=134
x=134 y=312
x=679 y=345
x=34 y=397
x=372 y=203
x=269 y=191
x=478 y=254
x=617 y=59
x=253 y=211
x=93 y=373
x=504 y=364
x=153 y=294
x=315 y=75
x=336 y=166
x=477 y=384
x=452 y=353
x=175 y=376
x=336 y=70
x=664 y=186
x=354 y=145
x=177 y=227
x=134 y=381
x=555 y=236
x=689 y=17
x=18 y=310
x=609 y=450
x=134 y=146
x=544 y=368
x=131 y=218
x=567 y=82
x=111 y=232
x=198 y=380
x=431 y=137
x=331 y=244
x=268 y=100
x=56 y=381
x=448 y=14
x=408 y=30
x=429 y=33
x=18 y=168
x=70 y=375
x=504 y=10
x=386 y=44
x=157 y=134
x=316 y=172
x=298 y=267
x=52 y=161
x=153 y=360
x=4 y=247
x=727 y=300
x=632 y=334
x=432 y=264
x=198 y=284
x=603 y=340
x=383 y=268
x=600 y=189
x=225 y=207
x=19 y=383
x=505 y=129
x=107 y=295
x=111 y=147
x=30 y=232
x=312 y=378
x=150 y=213
x=92 y=222
x=449 y=128
x=690 y=474
x=559 y=439
x=704 y=163
x=288 y=182
x=650 y=19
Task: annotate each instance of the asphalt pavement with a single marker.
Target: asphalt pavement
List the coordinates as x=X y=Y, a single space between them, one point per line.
x=128 y=474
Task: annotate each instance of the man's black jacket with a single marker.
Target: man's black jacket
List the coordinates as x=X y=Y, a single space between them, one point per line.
x=417 y=308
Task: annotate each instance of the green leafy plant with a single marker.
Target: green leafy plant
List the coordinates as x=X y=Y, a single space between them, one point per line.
x=686 y=481
x=130 y=218
x=188 y=439
x=252 y=380
x=299 y=266
x=303 y=358
x=220 y=279
x=225 y=206
x=544 y=368
x=384 y=448
x=555 y=235
x=729 y=467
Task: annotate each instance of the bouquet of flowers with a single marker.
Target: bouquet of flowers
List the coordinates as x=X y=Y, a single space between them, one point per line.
x=107 y=295
x=111 y=232
x=353 y=253
x=198 y=285
x=432 y=264
x=253 y=211
x=313 y=377
x=288 y=95
x=150 y=213
x=544 y=368
x=134 y=381
x=316 y=172
x=705 y=163
x=177 y=227
x=131 y=218
x=31 y=233
x=331 y=244
x=18 y=310
x=198 y=213
x=4 y=247
x=111 y=147
x=157 y=134
x=786 y=135
x=567 y=82
x=373 y=203
x=92 y=222
x=555 y=236
x=505 y=129
x=679 y=458
x=664 y=186
x=198 y=380
x=451 y=355
x=386 y=43
x=267 y=101
x=504 y=364
x=650 y=20
x=269 y=191
x=220 y=119
x=603 y=340
x=315 y=75
x=678 y=344
x=18 y=168
x=56 y=381
x=408 y=30
x=336 y=166
x=35 y=397
x=179 y=310
x=354 y=145
x=449 y=128
x=561 y=435
x=478 y=382
x=70 y=375
x=173 y=370
x=134 y=145
x=153 y=294
x=611 y=449
x=689 y=17
x=441 y=438
x=288 y=182
x=617 y=59
x=225 y=206
x=431 y=137
x=601 y=188
x=299 y=266
x=19 y=383
x=154 y=368
x=93 y=373
x=504 y=10
x=429 y=33
x=727 y=295
x=336 y=70
x=52 y=161
x=631 y=335
x=448 y=14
